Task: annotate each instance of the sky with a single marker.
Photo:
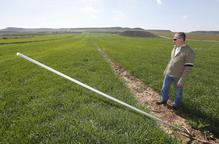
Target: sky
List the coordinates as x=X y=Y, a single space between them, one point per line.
x=174 y=15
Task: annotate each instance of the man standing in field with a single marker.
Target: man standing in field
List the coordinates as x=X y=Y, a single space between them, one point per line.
x=178 y=68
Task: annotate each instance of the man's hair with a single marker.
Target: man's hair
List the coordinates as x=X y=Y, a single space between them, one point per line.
x=182 y=35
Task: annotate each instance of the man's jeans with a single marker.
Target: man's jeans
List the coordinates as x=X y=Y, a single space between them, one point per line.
x=168 y=80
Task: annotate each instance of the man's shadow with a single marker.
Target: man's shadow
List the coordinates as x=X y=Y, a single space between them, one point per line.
x=199 y=120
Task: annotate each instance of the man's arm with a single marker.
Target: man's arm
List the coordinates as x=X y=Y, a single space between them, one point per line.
x=189 y=60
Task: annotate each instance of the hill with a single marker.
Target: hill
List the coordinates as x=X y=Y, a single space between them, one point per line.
x=89 y=29
x=15 y=32
x=137 y=33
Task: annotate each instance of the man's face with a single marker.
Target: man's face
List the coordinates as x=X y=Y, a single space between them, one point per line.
x=177 y=40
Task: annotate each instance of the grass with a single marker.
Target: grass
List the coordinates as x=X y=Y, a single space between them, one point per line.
x=37 y=106
x=146 y=58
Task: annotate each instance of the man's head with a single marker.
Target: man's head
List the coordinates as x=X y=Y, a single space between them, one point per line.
x=179 y=38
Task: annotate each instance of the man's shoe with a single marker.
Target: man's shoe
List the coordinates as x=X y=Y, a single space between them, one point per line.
x=172 y=107
x=175 y=107
x=161 y=102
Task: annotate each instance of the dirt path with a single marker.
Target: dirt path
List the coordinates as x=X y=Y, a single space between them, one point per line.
x=148 y=98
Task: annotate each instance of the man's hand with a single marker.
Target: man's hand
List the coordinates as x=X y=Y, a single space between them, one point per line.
x=180 y=83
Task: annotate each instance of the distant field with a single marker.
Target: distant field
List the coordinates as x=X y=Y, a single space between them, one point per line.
x=33 y=38
x=192 y=36
x=200 y=36
x=37 y=106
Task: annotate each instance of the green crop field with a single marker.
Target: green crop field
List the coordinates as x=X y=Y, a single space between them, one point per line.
x=147 y=59
x=37 y=106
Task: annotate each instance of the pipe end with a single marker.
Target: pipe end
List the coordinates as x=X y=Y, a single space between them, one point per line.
x=18 y=54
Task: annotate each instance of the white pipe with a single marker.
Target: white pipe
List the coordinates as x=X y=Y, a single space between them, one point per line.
x=96 y=91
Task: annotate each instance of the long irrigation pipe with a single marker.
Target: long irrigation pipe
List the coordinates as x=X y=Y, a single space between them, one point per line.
x=103 y=94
